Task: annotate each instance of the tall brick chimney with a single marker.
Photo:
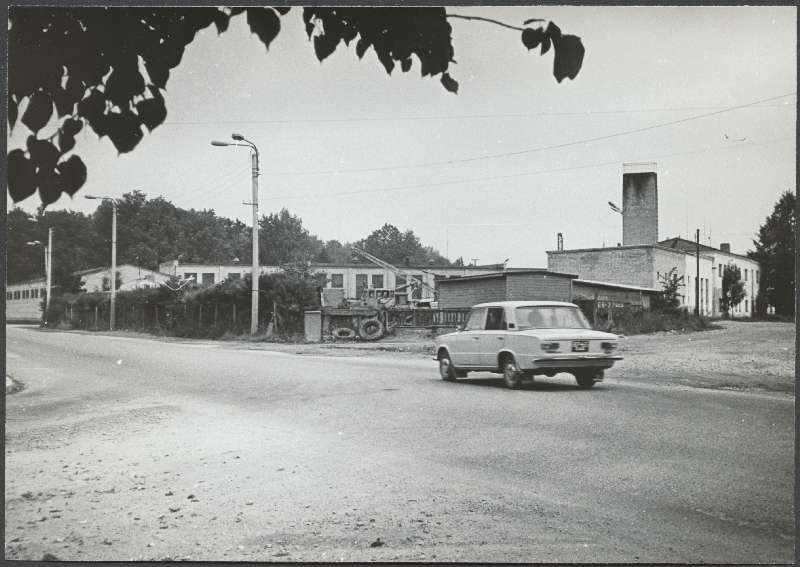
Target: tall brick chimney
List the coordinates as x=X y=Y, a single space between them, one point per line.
x=639 y=204
x=725 y=246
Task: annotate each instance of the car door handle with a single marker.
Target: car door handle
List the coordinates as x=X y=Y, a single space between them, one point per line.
x=500 y=338
x=475 y=338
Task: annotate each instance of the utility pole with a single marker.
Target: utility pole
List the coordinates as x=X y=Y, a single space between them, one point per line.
x=113 y=315
x=49 y=269
x=697 y=273
x=240 y=140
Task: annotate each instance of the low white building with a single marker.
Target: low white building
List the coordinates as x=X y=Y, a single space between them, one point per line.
x=130 y=277
x=24 y=301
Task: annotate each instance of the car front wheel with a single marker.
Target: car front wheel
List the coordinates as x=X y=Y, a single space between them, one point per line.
x=446 y=370
x=511 y=374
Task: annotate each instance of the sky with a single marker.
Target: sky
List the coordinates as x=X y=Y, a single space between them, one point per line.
x=499 y=169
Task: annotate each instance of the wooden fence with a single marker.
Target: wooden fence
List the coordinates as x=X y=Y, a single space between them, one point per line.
x=426 y=318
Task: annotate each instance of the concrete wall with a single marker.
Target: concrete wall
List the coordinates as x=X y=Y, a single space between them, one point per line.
x=747 y=307
x=535 y=287
x=639 y=208
x=587 y=292
x=629 y=265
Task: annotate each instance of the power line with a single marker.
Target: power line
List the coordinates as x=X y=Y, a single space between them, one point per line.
x=452 y=116
x=541 y=148
x=512 y=175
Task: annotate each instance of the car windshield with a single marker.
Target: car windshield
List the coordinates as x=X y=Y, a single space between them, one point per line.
x=551 y=317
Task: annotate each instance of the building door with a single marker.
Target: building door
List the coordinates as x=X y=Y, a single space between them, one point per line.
x=361 y=284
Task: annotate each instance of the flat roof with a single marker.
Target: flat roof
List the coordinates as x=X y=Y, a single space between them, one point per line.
x=617 y=286
x=658 y=246
x=670 y=242
x=514 y=304
x=504 y=274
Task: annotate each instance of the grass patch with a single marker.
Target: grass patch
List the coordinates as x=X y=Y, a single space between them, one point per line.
x=628 y=321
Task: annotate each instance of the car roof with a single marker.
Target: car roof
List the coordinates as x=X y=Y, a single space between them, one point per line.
x=514 y=304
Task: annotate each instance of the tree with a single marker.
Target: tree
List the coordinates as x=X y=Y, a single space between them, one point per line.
x=775 y=251
x=399 y=248
x=283 y=239
x=668 y=300
x=108 y=67
x=28 y=261
x=732 y=289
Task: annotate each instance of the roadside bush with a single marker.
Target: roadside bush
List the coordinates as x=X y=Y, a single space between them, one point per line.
x=635 y=321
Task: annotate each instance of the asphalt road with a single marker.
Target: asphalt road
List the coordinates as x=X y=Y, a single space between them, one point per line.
x=131 y=449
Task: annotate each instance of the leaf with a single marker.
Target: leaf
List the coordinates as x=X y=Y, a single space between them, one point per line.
x=569 y=57
x=49 y=183
x=21 y=176
x=545 y=45
x=73 y=174
x=152 y=112
x=553 y=31
x=44 y=155
x=72 y=126
x=124 y=129
x=221 y=21
x=39 y=111
x=66 y=141
x=449 y=83
x=157 y=71
x=93 y=106
x=405 y=64
x=531 y=38
x=282 y=10
x=324 y=45
x=65 y=103
x=361 y=47
x=124 y=83
x=526 y=22
x=12 y=112
x=265 y=23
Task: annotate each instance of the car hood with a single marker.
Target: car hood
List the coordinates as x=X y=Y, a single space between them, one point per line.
x=568 y=334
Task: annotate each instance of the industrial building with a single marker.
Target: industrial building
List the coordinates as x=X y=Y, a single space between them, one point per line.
x=643 y=261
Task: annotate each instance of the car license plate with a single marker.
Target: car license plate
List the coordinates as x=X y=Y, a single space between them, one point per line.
x=580 y=346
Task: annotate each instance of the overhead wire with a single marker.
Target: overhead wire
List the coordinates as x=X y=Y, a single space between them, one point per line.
x=513 y=175
x=539 y=148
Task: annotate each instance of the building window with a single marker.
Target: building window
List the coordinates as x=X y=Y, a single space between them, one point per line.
x=756 y=276
x=9 y=295
x=400 y=281
x=377 y=281
x=720 y=270
x=234 y=276
x=745 y=278
x=16 y=294
x=208 y=278
x=361 y=284
x=337 y=280
x=745 y=305
x=34 y=293
x=190 y=276
x=43 y=292
x=25 y=294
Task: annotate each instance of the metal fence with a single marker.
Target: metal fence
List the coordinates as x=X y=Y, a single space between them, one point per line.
x=426 y=318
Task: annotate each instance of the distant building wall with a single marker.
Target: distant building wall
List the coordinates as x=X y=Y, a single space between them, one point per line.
x=535 y=287
x=24 y=300
x=631 y=265
x=469 y=292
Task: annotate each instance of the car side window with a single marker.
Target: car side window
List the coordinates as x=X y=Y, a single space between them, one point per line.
x=496 y=320
x=476 y=319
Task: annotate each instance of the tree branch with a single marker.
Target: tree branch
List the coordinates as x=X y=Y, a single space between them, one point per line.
x=484 y=20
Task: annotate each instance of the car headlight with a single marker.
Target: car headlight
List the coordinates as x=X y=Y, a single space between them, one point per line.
x=550 y=347
x=608 y=348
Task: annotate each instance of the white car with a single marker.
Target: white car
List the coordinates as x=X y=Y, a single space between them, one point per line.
x=521 y=339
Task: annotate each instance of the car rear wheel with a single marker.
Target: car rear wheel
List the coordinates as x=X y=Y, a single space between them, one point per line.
x=446 y=370
x=587 y=378
x=511 y=374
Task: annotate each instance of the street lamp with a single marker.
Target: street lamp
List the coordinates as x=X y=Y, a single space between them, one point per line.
x=113 y=278
x=48 y=267
x=240 y=140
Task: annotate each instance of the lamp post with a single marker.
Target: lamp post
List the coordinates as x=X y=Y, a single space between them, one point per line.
x=240 y=140
x=113 y=278
x=48 y=267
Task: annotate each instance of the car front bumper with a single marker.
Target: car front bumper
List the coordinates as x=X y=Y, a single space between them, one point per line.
x=576 y=361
